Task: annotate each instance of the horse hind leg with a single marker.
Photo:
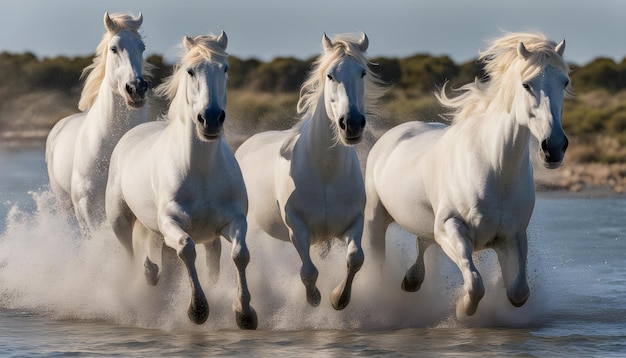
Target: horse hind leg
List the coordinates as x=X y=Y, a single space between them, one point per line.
x=213 y=255
x=235 y=232
x=453 y=237
x=414 y=276
x=512 y=256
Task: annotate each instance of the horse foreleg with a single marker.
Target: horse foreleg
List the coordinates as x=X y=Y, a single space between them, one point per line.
x=235 y=231
x=213 y=255
x=340 y=297
x=415 y=274
x=453 y=237
x=301 y=238
x=512 y=258
x=180 y=241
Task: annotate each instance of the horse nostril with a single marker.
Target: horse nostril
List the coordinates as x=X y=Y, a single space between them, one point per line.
x=362 y=121
x=201 y=119
x=222 y=117
x=544 y=145
x=129 y=89
x=342 y=123
x=565 y=145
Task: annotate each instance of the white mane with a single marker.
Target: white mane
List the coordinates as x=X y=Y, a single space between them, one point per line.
x=499 y=60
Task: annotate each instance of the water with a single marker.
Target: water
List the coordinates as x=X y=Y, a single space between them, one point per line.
x=62 y=294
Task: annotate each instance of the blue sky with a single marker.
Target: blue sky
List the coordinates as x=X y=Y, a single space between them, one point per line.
x=267 y=29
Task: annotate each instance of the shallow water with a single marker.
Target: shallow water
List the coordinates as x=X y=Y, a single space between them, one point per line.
x=63 y=294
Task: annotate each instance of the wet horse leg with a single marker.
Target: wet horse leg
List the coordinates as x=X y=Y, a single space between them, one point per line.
x=179 y=240
x=235 y=232
x=148 y=243
x=512 y=258
x=301 y=238
x=340 y=297
x=453 y=237
x=414 y=276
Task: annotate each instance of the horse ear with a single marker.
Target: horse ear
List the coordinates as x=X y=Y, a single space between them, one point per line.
x=139 y=20
x=560 y=48
x=522 y=51
x=188 y=42
x=364 y=43
x=108 y=23
x=326 y=44
x=222 y=40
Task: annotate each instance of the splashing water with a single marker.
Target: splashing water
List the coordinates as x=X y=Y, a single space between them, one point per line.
x=48 y=267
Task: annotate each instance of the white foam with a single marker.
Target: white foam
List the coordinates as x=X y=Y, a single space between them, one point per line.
x=46 y=266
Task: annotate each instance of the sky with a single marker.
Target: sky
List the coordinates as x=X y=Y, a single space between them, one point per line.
x=271 y=28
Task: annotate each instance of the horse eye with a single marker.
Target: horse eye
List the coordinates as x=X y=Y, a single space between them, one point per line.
x=566 y=83
x=114 y=49
x=190 y=72
x=526 y=86
x=363 y=74
x=330 y=77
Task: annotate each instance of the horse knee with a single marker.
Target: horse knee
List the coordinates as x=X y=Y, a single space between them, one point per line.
x=241 y=256
x=186 y=250
x=355 y=259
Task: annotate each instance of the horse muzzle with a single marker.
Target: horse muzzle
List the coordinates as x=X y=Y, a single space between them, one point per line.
x=553 y=152
x=136 y=90
x=352 y=128
x=211 y=124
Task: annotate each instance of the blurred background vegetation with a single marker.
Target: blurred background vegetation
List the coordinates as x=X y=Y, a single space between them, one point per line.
x=35 y=93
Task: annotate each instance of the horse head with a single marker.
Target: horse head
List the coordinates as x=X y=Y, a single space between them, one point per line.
x=344 y=92
x=206 y=66
x=544 y=90
x=123 y=58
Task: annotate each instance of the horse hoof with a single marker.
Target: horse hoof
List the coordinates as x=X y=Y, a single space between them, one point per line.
x=338 y=300
x=198 y=311
x=151 y=271
x=517 y=302
x=247 y=320
x=465 y=307
x=314 y=297
x=410 y=286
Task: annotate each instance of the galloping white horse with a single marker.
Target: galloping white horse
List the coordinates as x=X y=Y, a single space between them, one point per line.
x=78 y=147
x=305 y=184
x=469 y=186
x=177 y=180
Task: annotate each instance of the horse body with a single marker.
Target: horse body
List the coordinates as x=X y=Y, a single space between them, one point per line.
x=305 y=184
x=469 y=186
x=177 y=183
x=78 y=148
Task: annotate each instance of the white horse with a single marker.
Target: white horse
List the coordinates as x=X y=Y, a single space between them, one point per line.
x=177 y=180
x=469 y=186
x=78 y=147
x=305 y=184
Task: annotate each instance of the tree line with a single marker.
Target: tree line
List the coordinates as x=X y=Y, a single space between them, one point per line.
x=596 y=114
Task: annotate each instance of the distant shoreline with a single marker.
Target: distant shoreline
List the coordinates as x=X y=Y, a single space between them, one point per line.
x=587 y=179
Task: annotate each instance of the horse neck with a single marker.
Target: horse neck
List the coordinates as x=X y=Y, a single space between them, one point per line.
x=507 y=142
x=112 y=115
x=190 y=150
x=323 y=149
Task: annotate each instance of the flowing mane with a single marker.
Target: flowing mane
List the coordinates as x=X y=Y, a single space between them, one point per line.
x=205 y=48
x=313 y=86
x=95 y=72
x=501 y=60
